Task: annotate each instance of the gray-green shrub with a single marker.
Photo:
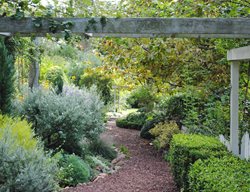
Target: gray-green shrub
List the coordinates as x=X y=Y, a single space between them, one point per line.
x=25 y=170
x=64 y=121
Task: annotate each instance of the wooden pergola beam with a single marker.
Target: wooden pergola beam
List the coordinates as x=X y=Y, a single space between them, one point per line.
x=133 y=27
x=239 y=54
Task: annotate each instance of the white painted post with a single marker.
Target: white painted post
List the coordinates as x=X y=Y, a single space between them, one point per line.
x=114 y=98
x=118 y=99
x=245 y=146
x=234 y=111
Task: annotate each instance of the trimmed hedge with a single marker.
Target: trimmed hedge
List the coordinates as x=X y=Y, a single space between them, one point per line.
x=186 y=149
x=132 y=121
x=220 y=175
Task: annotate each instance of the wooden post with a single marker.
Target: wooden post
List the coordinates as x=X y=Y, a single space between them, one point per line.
x=234 y=108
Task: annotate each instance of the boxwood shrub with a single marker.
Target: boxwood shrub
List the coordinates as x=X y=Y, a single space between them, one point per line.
x=226 y=174
x=132 y=121
x=186 y=149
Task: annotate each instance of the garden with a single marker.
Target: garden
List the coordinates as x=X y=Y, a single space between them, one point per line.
x=118 y=114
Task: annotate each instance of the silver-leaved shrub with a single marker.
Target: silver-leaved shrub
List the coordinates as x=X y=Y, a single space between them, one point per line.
x=64 y=121
x=23 y=169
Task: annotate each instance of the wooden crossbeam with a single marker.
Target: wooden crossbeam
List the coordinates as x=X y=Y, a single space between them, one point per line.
x=239 y=54
x=133 y=27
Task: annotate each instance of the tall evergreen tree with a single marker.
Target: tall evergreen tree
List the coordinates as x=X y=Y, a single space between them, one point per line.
x=7 y=72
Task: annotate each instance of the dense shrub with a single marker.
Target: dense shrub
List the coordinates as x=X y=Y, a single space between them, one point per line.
x=163 y=133
x=24 y=167
x=55 y=76
x=103 y=85
x=173 y=108
x=149 y=124
x=99 y=147
x=63 y=121
x=142 y=97
x=226 y=174
x=19 y=129
x=168 y=109
x=186 y=149
x=132 y=121
x=73 y=170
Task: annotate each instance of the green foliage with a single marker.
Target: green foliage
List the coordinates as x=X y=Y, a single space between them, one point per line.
x=149 y=124
x=98 y=165
x=143 y=98
x=55 y=76
x=163 y=133
x=103 y=85
x=24 y=169
x=186 y=149
x=132 y=121
x=99 y=147
x=73 y=170
x=64 y=121
x=123 y=149
x=7 y=72
x=226 y=174
x=20 y=130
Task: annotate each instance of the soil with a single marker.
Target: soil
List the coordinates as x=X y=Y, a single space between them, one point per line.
x=144 y=171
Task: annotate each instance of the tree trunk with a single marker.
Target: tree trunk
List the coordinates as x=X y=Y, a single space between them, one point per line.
x=34 y=69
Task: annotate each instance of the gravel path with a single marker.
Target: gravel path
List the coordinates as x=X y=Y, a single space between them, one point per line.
x=145 y=171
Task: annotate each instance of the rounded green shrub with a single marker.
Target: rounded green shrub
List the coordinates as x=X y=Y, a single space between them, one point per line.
x=163 y=133
x=73 y=170
x=132 y=121
x=225 y=174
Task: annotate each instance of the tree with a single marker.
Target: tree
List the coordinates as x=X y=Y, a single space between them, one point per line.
x=7 y=72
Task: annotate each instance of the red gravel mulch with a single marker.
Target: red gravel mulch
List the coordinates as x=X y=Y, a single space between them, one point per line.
x=144 y=171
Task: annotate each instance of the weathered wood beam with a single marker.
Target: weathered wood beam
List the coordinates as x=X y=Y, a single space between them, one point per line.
x=134 y=27
x=238 y=54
